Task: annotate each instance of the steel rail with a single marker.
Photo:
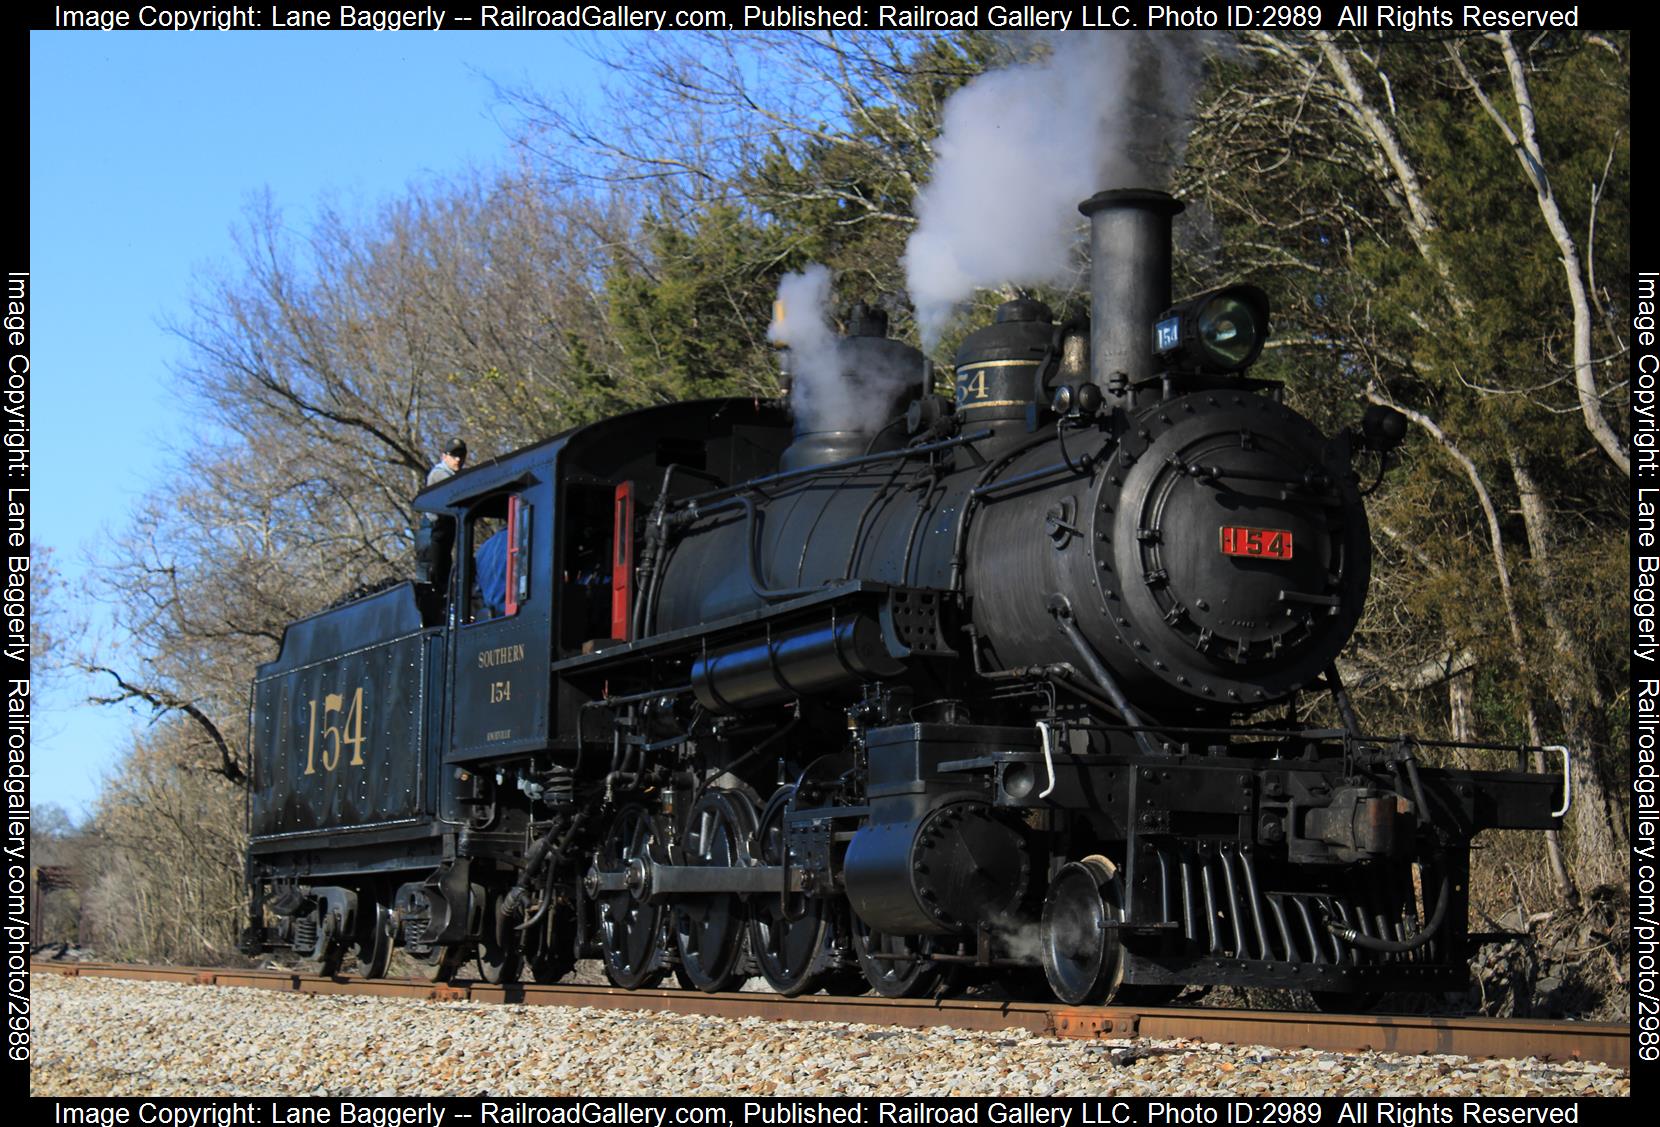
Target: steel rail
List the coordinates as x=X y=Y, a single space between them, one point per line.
x=1410 y=1034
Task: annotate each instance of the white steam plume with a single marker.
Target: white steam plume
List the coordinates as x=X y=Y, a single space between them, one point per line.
x=1020 y=148
x=801 y=323
x=833 y=387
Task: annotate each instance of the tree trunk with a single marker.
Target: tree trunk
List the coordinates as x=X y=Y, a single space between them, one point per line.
x=1597 y=821
x=1461 y=707
x=1528 y=152
x=1518 y=645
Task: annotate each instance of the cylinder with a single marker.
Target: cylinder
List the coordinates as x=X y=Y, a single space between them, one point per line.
x=956 y=867
x=1129 y=253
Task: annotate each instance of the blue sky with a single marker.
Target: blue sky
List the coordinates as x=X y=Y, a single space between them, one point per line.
x=143 y=151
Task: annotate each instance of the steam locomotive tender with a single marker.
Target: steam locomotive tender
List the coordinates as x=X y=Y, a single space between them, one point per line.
x=1012 y=682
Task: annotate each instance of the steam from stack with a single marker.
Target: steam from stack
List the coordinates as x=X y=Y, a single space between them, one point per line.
x=1021 y=146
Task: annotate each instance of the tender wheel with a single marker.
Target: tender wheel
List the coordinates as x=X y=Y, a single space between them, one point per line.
x=1083 y=958
x=440 y=962
x=629 y=928
x=329 y=964
x=710 y=928
x=497 y=965
x=332 y=947
x=896 y=966
x=788 y=934
x=374 y=940
x=501 y=954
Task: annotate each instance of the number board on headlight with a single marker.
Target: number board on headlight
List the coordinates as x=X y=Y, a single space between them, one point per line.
x=1257 y=543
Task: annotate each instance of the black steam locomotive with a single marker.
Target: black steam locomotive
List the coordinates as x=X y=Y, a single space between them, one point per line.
x=1005 y=683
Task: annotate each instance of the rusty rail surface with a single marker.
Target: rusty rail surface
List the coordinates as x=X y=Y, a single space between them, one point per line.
x=1396 y=1033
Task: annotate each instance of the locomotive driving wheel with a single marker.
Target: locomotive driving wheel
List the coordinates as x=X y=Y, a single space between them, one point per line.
x=709 y=928
x=787 y=932
x=896 y=966
x=630 y=928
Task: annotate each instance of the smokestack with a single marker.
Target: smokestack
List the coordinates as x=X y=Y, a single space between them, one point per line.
x=1129 y=265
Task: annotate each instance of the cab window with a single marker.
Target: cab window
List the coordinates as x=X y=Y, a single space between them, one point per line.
x=498 y=536
x=585 y=595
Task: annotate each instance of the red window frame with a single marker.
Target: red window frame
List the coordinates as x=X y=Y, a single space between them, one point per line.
x=518 y=528
x=622 y=560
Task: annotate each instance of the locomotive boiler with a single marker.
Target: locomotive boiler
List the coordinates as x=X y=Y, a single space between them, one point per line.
x=1004 y=685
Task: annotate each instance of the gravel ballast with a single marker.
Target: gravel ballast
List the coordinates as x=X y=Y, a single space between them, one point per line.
x=101 y=1036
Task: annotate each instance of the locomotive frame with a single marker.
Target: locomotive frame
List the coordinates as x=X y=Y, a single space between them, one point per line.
x=860 y=709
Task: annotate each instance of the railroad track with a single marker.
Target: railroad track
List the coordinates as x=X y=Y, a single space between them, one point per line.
x=1477 y=1037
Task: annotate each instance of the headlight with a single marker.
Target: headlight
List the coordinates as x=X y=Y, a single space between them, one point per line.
x=1220 y=331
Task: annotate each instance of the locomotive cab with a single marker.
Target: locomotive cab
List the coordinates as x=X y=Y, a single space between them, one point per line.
x=501 y=615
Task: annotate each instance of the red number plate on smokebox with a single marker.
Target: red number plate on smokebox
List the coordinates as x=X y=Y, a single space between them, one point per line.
x=1258 y=543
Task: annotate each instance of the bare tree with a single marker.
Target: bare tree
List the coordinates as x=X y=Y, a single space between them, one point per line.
x=55 y=626
x=702 y=117
x=162 y=873
x=821 y=140
x=322 y=372
x=1579 y=272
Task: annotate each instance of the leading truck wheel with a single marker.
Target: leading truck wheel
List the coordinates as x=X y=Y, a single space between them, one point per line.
x=1083 y=956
